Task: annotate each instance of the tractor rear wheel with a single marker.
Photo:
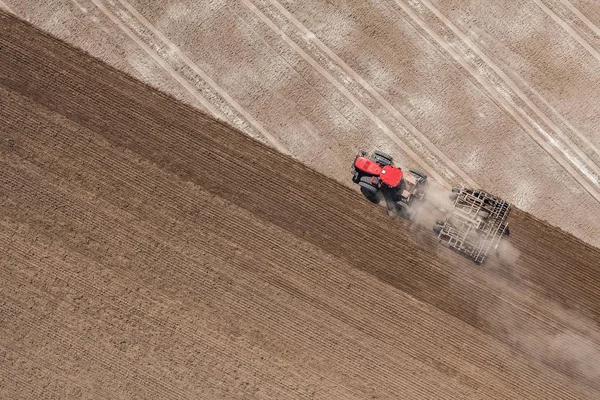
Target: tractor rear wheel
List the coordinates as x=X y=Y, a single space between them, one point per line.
x=382 y=158
x=418 y=173
x=370 y=195
x=368 y=189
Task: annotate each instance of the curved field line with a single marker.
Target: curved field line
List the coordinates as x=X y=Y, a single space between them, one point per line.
x=374 y=93
x=514 y=87
x=567 y=28
x=500 y=101
x=193 y=66
x=582 y=17
x=5 y=6
x=389 y=133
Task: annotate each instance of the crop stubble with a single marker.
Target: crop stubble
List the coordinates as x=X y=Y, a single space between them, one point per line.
x=152 y=251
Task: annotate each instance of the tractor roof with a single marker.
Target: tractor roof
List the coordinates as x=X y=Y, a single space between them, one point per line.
x=391 y=175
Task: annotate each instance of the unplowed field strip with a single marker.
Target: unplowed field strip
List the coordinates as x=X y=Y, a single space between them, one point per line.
x=150 y=251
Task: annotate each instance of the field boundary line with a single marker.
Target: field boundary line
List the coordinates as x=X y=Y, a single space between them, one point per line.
x=411 y=128
x=568 y=29
x=5 y=6
x=389 y=133
x=582 y=17
x=512 y=85
x=161 y=62
x=178 y=77
x=495 y=96
x=173 y=47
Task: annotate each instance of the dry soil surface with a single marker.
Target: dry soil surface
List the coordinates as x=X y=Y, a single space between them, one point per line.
x=502 y=95
x=150 y=251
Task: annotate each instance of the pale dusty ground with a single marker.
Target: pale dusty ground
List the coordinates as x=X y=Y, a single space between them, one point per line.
x=503 y=95
x=150 y=252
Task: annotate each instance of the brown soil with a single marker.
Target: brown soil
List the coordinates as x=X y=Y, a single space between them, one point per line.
x=150 y=251
x=495 y=94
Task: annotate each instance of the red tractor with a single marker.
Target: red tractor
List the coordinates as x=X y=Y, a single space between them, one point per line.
x=378 y=177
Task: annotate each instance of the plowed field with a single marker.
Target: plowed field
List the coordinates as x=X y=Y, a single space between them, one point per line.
x=501 y=95
x=150 y=251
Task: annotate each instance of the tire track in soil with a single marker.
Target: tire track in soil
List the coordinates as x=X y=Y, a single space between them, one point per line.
x=119 y=18
x=551 y=109
x=343 y=90
x=175 y=160
x=498 y=94
x=582 y=17
x=159 y=60
x=344 y=73
x=565 y=26
x=5 y=6
x=519 y=93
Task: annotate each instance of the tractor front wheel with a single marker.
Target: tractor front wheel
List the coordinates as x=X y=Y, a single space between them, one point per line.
x=418 y=173
x=382 y=158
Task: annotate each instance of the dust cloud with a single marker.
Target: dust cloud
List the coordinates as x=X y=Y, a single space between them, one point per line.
x=435 y=205
x=566 y=340
x=574 y=351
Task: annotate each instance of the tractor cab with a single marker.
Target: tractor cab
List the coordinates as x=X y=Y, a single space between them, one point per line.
x=378 y=179
x=391 y=176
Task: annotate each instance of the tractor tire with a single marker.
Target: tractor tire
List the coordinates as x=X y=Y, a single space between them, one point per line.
x=382 y=158
x=418 y=173
x=365 y=181
x=369 y=190
x=367 y=187
x=370 y=195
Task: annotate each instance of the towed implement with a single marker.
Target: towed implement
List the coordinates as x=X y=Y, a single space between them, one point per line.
x=475 y=225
